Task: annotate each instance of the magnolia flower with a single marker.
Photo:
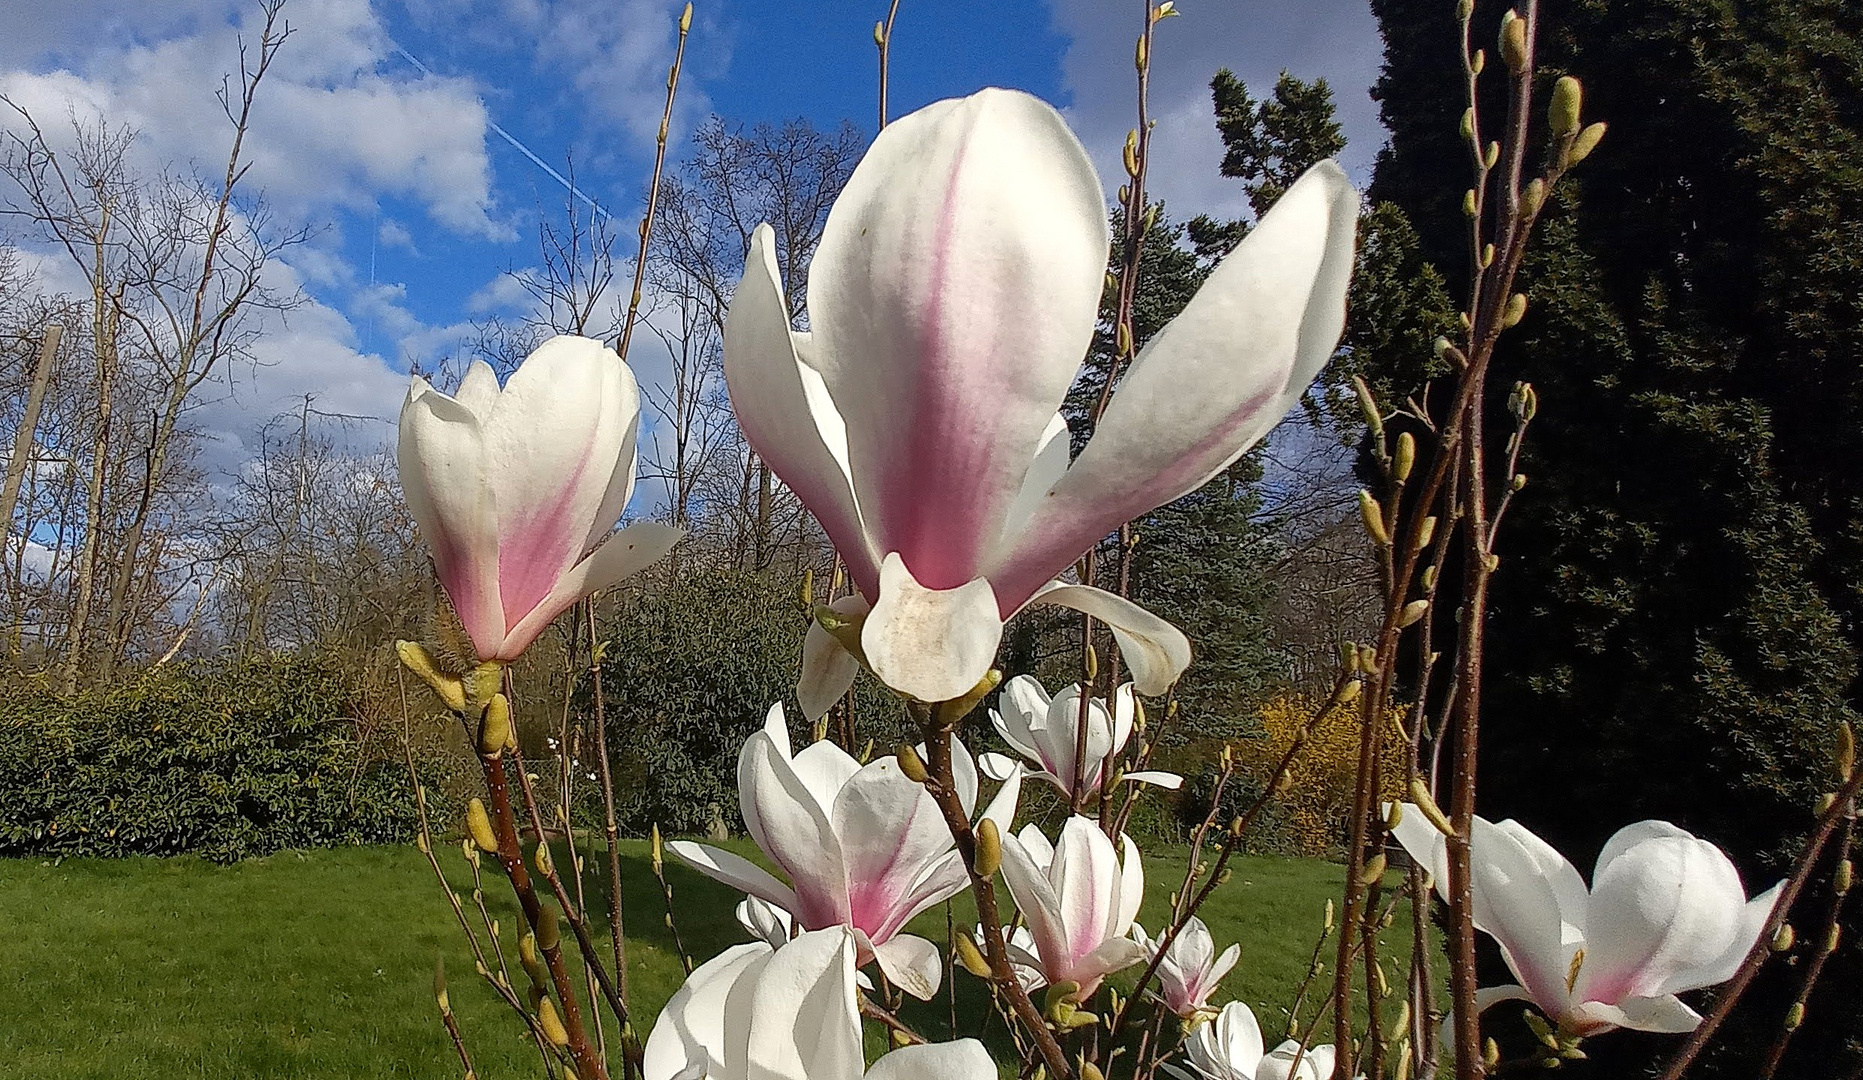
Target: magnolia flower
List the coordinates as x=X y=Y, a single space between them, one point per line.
x=765 y=921
x=1666 y=913
x=950 y=302
x=1046 y=733
x=864 y=846
x=1230 y=1048
x=1021 y=946
x=789 y=1013
x=1078 y=899
x=1190 y=970
x=516 y=490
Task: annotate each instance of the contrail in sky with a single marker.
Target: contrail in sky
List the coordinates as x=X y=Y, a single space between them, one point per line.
x=512 y=139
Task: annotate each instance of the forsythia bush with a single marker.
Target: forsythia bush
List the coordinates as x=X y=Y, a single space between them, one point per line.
x=1310 y=817
x=223 y=761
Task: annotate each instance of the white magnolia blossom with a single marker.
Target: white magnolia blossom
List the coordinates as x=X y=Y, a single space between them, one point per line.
x=864 y=846
x=1230 y=1048
x=790 y=1013
x=1666 y=913
x=1078 y=898
x=516 y=490
x=1046 y=732
x=1191 y=969
x=951 y=300
x=1021 y=946
x=765 y=921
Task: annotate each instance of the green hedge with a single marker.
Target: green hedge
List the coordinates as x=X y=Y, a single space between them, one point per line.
x=223 y=761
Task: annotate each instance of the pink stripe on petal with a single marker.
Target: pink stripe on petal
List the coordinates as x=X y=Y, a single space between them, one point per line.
x=534 y=553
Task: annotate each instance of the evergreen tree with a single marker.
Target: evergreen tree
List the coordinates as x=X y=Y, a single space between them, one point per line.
x=1675 y=624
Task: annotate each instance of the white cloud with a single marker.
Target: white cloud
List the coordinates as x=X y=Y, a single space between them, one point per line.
x=1257 y=39
x=392 y=234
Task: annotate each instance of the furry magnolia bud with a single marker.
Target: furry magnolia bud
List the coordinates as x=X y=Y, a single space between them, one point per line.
x=1412 y=612
x=1562 y=111
x=1405 y=458
x=1373 y=871
x=495 y=726
x=989 y=854
x=551 y=1024
x=549 y=928
x=479 y=824
x=1373 y=516
x=910 y=763
x=971 y=957
x=1516 y=310
x=1514 y=41
x=1426 y=804
x=1585 y=143
x=415 y=657
x=1532 y=197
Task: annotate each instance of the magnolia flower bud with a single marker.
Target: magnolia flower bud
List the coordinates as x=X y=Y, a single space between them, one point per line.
x=495 y=726
x=1468 y=203
x=1846 y=751
x=1412 y=612
x=989 y=853
x=971 y=958
x=1405 y=458
x=1585 y=143
x=685 y=19
x=1491 y=156
x=1478 y=61
x=1368 y=406
x=1420 y=795
x=1468 y=123
x=484 y=681
x=439 y=984
x=545 y=864
x=551 y=1024
x=415 y=657
x=1532 y=197
x=1373 y=516
x=1795 y=1016
x=549 y=929
x=479 y=824
x=1514 y=41
x=1425 y=533
x=1516 y=310
x=910 y=763
x=879 y=34
x=1783 y=938
x=1841 y=881
x=1373 y=871
x=1562 y=111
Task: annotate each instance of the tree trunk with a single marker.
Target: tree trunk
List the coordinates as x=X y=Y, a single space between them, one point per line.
x=28 y=426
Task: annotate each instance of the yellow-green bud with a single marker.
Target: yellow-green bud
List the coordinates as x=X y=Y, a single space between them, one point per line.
x=1373 y=871
x=545 y=864
x=549 y=929
x=879 y=33
x=807 y=592
x=1487 y=256
x=1394 y=816
x=1490 y=1053
x=898 y=1038
x=1140 y=54
x=971 y=957
x=1090 y=1071
x=1402 y=1022
x=1516 y=310
x=415 y=657
x=439 y=984
x=1405 y=458
x=485 y=680
x=1131 y=153
x=1825 y=802
x=1429 y=572
x=989 y=854
x=1426 y=804
x=1841 y=882
x=495 y=726
x=658 y=859
x=1585 y=143
x=1478 y=61
x=1831 y=936
x=685 y=19
x=1468 y=203
x=1348 y=655
x=1562 y=111
x=1412 y=612
x=1350 y=691
x=1327 y=921
x=551 y=1024
x=1373 y=516
x=1783 y=938
x=1532 y=198
x=479 y=824
x=950 y=712
x=1425 y=533
x=1795 y=1016
x=1368 y=406
x=1491 y=156
x=1368 y=659
x=910 y=763
x=1090 y=661
x=1541 y=1029
x=1468 y=123
x=1846 y=751
x=1514 y=41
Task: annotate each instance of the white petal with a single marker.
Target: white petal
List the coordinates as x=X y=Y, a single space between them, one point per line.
x=912 y=964
x=933 y=644
x=1170 y=781
x=1514 y=903
x=1754 y=915
x=952 y=297
x=998 y=767
x=1155 y=651
x=1050 y=462
x=804 y=1020
x=1425 y=844
x=765 y=921
x=1237 y=1038
x=890 y=831
x=1131 y=887
x=478 y=391
x=963 y=1059
x=441 y=458
x=1209 y=384
x=1662 y=907
x=690 y=1030
x=781 y=419
x=622 y=555
x=1036 y=900
x=736 y=871
x=825 y=769
x=1567 y=885
x=791 y=828
x=1040 y=851
x=828 y=670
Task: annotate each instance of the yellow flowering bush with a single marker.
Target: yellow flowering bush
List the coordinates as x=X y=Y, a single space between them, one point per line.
x=1315 y=807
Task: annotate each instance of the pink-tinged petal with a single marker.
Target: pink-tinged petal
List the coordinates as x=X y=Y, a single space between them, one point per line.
x=890 y=831
x=1490 y=996
x=1568 y=885
x=1662 y=907
x=962 y=1059
x=441 y=458
x=938 y=881
x=1155 y=651
x=690 y=1037
x=624 y=400
x=1036 y=900
x=933 y=644
x=784 y=411
x=1754 y=915
x=1210 y=384
x=1514 y=903
x=1665 y=1014
x=1044 y=472
x=621 y=556
x=1023 y=705
x=952 y=298
x=912 y=964
x=551 y=447
x=828 y=670
x=804 y=1016
x=734 y=870
x=791 y=828
x=1085 y=873
x=1109 y=956
x=1223 y=966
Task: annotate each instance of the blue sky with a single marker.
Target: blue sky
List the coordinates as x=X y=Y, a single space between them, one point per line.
x=419 y=205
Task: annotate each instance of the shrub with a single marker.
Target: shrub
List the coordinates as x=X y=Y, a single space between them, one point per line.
x=223 y=761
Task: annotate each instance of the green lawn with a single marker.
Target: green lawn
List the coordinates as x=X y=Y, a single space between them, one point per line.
x=319 y=964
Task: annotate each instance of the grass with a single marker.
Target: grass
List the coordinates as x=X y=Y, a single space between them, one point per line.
x=318 y=965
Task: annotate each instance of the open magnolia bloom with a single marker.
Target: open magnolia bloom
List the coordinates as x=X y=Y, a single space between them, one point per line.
x=1230 y=1048
x=1666 y=913
x=789 y=1013
x=950 y=303
x=1021 y=946
x=864 y=846
x=1078 y=898
x=1046 y=733
x=516 y=490
x=1190 y=970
